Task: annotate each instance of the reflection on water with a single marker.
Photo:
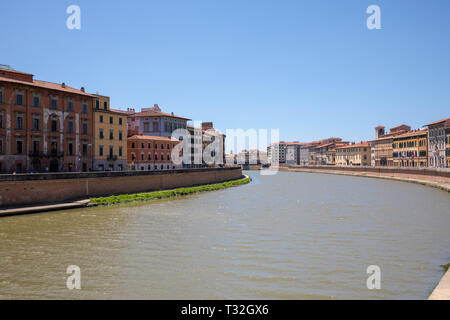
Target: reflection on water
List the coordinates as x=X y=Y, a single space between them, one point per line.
x=288 y=236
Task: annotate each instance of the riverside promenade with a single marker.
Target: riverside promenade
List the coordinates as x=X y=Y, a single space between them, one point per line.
x=438 y=178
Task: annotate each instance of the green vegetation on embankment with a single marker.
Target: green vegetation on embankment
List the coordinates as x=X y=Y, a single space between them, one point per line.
x=167 y=193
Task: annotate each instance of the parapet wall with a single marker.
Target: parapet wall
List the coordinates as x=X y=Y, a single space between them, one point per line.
x=30 y=189
x=436 y=172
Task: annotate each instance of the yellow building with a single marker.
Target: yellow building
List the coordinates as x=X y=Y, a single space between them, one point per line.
x=411 y=149
x=353 y=155
x=110 y=136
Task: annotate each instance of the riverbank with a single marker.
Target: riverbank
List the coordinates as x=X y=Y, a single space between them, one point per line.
x=442 y=291
x=439 y=182
x=163 y=194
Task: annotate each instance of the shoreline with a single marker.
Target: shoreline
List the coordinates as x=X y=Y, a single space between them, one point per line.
x=441 y=183
x=126 y=198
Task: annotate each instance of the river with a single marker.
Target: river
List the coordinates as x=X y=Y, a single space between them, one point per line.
x=289 y=236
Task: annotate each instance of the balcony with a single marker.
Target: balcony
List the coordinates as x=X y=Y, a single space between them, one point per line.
x=111 y=158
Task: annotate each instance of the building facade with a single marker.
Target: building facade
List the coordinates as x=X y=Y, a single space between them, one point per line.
x=154 y=122
x=276 y=153
x=151 y=153
x=437 y=143
x=353 y=155
x=382 y=144
x=44 y=126
x=411 y=149
x=110 y=136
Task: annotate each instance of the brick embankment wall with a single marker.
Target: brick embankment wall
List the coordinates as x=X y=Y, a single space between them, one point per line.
x=439 y=178
x=31 y=189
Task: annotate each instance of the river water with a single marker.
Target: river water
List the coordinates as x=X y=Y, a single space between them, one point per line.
x=288 y=236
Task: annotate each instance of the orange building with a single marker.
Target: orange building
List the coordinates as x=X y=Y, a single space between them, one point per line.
x=151 y=153
x=44 y=126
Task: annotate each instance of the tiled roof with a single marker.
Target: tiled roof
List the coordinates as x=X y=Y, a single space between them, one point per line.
x=157 y=114
x=46 y=85
x=412 y=133
x=142 y=137
x=357 y=145
x=439 y=121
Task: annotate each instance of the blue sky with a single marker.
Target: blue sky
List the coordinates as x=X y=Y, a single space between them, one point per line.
x=310 y=68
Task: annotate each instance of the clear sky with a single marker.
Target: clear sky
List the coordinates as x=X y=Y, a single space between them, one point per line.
x=310 y=68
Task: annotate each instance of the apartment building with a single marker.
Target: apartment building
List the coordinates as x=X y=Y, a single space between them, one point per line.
x=437 y=143
x=353 y=155
x=151 y=153
x=411 y=149
x=110 y=136
x=383 y=150
x=154 y=122
x=44 y=126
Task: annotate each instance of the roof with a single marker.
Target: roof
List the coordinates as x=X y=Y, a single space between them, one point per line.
x=142 y=137
x=157 y=114
x=437 y=122
x=412 y=133
x=47 y=85
x=357 y=145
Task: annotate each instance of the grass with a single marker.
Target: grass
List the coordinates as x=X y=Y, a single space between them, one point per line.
x=163 y=194
x=446 y=267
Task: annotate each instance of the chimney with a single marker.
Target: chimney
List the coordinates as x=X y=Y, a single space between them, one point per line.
x=63 y=85
x=171 y=113
x=82 y=89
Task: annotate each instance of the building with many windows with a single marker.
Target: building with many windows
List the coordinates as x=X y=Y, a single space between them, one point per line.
x=154 y=122
x=151 y=153
x=411 y=149
x=44 y=126
x=437 y=143
x=110 y=136
x=353 y=155
x=382 y=156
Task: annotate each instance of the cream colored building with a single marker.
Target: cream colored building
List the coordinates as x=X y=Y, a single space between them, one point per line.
x=353 y=155
x=110 y=136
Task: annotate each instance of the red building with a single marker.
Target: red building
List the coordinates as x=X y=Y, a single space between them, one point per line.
x=44 y=126
x=151 y=153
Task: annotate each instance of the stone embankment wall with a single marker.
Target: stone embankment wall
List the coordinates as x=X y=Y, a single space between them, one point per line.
x=31 y=189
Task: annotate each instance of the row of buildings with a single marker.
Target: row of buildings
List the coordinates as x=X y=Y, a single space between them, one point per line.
x=400 y=147
x=52 y=127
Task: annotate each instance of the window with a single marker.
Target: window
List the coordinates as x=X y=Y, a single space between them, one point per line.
x=84 y=149
x=146 y=126
x=100 y=151
x=149 y=156
x=120 y=121
x=142 y=146
x=35 y=123
x=70 y=106
x=97 y=104
x=111 y=152
x=19 y=99
x=105 y=105
x=120 y=135
x=142 y=156
x=1 y=146
x=35 y=101
x=70 y=129
x=1 y=96
x=19 y=121
x=120 y=151
x=70 y=148
x=111 y=120
x=54 y=103
x=84 y=107
x=101 y=134
x=133 y=145
x=111 y=135
x=54 y=125
x=19 y=146
x=1 y=119
x=84 y=127
x=101 y=119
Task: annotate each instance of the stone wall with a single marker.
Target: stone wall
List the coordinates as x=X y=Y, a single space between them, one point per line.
x=436 y=172
x=30 y=189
